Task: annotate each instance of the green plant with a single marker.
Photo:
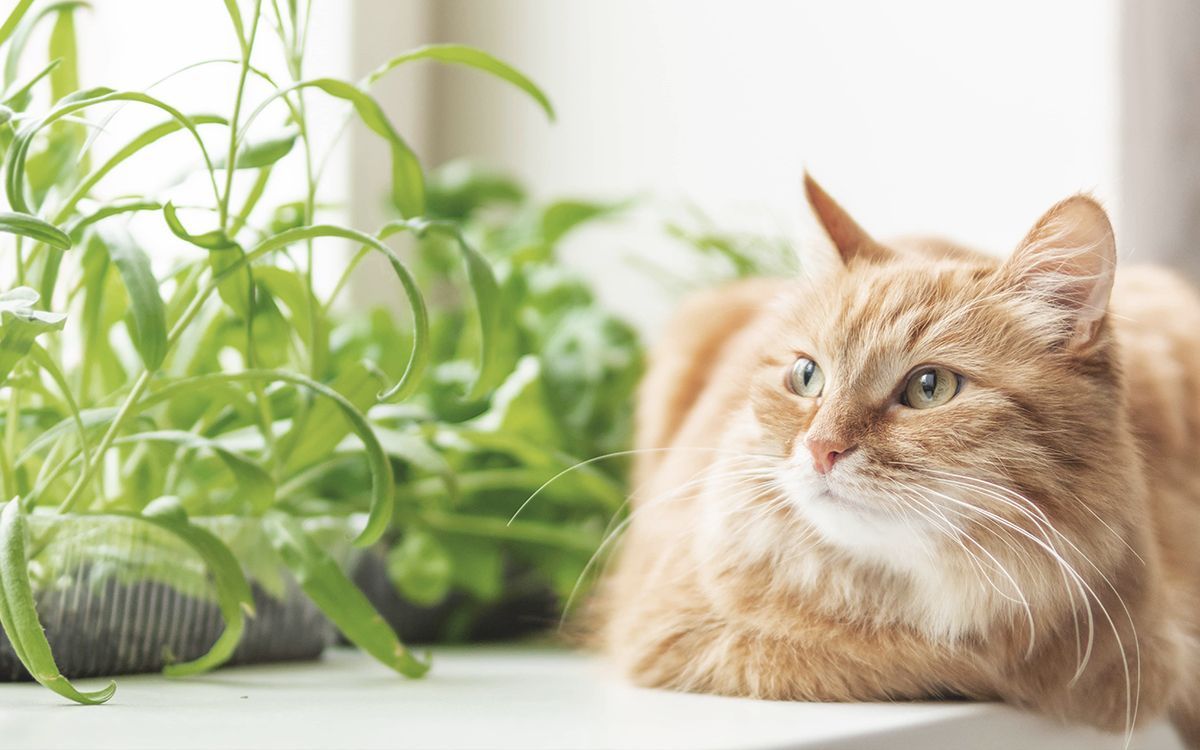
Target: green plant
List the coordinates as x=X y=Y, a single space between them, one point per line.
x=216 y=388
x=511 y=494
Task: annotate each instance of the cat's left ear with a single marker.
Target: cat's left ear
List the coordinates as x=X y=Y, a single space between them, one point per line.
x=1066 y=263
x=851 y=241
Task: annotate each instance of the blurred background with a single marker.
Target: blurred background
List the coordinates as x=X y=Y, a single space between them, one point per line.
x=964 y=120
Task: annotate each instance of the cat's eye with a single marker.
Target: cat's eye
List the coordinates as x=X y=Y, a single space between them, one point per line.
x=930 y=387
x=805 y=378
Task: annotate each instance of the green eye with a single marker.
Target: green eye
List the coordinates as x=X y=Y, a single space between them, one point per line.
x=930 y=387
x=805 y=378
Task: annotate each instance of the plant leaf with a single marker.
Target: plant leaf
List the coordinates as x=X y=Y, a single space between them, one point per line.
x=236 y=288
x=419 y=357
x=408 y=180
x=135 y=145
x=420 y=568
x=65 y=78
x=18 y=613
x=253 y=481
x=20 y=324
x=337 y=596
x=263 y=153
x=14 y=17
x=34 y=228
x=76 y=227
x=234 y=596
x=23 y=33
x=383 y=485
x=14 y=184
x=489 y=306
x=323 y=427
x=460 y=54
x=146 y=309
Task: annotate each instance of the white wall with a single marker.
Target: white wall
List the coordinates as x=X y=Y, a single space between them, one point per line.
x=965 y=118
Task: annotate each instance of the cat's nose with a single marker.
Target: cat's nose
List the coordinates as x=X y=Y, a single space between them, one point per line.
x=826 y=452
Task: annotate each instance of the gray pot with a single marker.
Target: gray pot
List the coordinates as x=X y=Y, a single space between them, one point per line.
x=120 y=596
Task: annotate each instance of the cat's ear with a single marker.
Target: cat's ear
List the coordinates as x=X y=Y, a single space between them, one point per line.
x=851 y=241
x=1066 y=263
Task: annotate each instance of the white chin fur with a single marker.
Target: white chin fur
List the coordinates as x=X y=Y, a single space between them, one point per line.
x=876 y=532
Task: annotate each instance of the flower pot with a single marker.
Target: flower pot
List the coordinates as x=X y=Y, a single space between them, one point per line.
x=526 y=607
x=120 y=596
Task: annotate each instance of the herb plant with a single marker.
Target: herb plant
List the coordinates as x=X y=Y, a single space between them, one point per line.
x=510 y=495
x=227 y=386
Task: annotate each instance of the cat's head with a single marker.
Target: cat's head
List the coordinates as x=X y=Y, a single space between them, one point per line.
x=928 y=395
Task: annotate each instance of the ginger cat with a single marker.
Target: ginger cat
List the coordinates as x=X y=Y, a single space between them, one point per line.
x=925 y=472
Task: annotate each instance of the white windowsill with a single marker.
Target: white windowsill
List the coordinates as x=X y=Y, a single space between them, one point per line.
x=499 y=697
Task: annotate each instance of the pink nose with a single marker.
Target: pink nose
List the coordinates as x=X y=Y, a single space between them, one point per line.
x=826 y=452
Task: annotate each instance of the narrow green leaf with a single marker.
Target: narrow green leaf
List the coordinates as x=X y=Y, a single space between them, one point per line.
x=408 y=180
x=18 y=613
x=323 y=427
x=263 y=153
x=130 y=205
x=308 y=316
x=17 y=154
x=235 y=15
x=34 y=228
x=489 y=306
x=43 y=360
x=24 y=31
x=14 y=18
x=416 y=450
x=255 y=485
x=419 y=357
x=420 y=568
x=213 y=240
x=459 y=54
x=65 y=78
x=146 y=309
x=236 y=288
x=383 y=486
x=234 y=596
x=337 y=596
x=135 y=145
x=19 y=97
x=20 y=324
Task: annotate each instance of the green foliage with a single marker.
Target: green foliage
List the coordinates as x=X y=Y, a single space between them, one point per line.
x=533 y=488
x=224 y=386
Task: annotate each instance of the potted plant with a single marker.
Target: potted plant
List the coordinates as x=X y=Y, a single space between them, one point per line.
x=162 y=431
x=507 y=504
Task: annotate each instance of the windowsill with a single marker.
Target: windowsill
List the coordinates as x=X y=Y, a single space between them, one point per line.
x=499 y=697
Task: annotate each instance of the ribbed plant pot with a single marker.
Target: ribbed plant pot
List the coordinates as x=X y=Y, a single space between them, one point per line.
x=120 y=596
x=524 y=609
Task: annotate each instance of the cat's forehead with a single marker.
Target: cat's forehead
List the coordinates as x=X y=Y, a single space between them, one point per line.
x=886 y=310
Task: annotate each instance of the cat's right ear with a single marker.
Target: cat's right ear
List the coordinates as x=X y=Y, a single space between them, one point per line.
x=851 y=241
x=1065 y=264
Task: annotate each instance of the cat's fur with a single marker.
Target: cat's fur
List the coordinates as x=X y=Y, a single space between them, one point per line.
x=1034 y=540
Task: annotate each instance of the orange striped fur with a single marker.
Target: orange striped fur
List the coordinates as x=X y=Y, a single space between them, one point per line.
x=1035 y=540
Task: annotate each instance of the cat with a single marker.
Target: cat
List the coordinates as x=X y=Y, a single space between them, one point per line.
x=920 y=471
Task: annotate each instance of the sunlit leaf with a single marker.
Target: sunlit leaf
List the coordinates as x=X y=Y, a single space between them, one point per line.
x=18 y=613
x=341 y=601
x=20 y=324
x=459 y=54
x=146 y=310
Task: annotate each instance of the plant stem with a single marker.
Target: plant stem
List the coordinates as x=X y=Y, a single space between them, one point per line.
x=90 y=469
x=264 y=410
x=231 y=160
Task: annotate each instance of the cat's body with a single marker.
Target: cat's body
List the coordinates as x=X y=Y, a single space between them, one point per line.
x=917 y=552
